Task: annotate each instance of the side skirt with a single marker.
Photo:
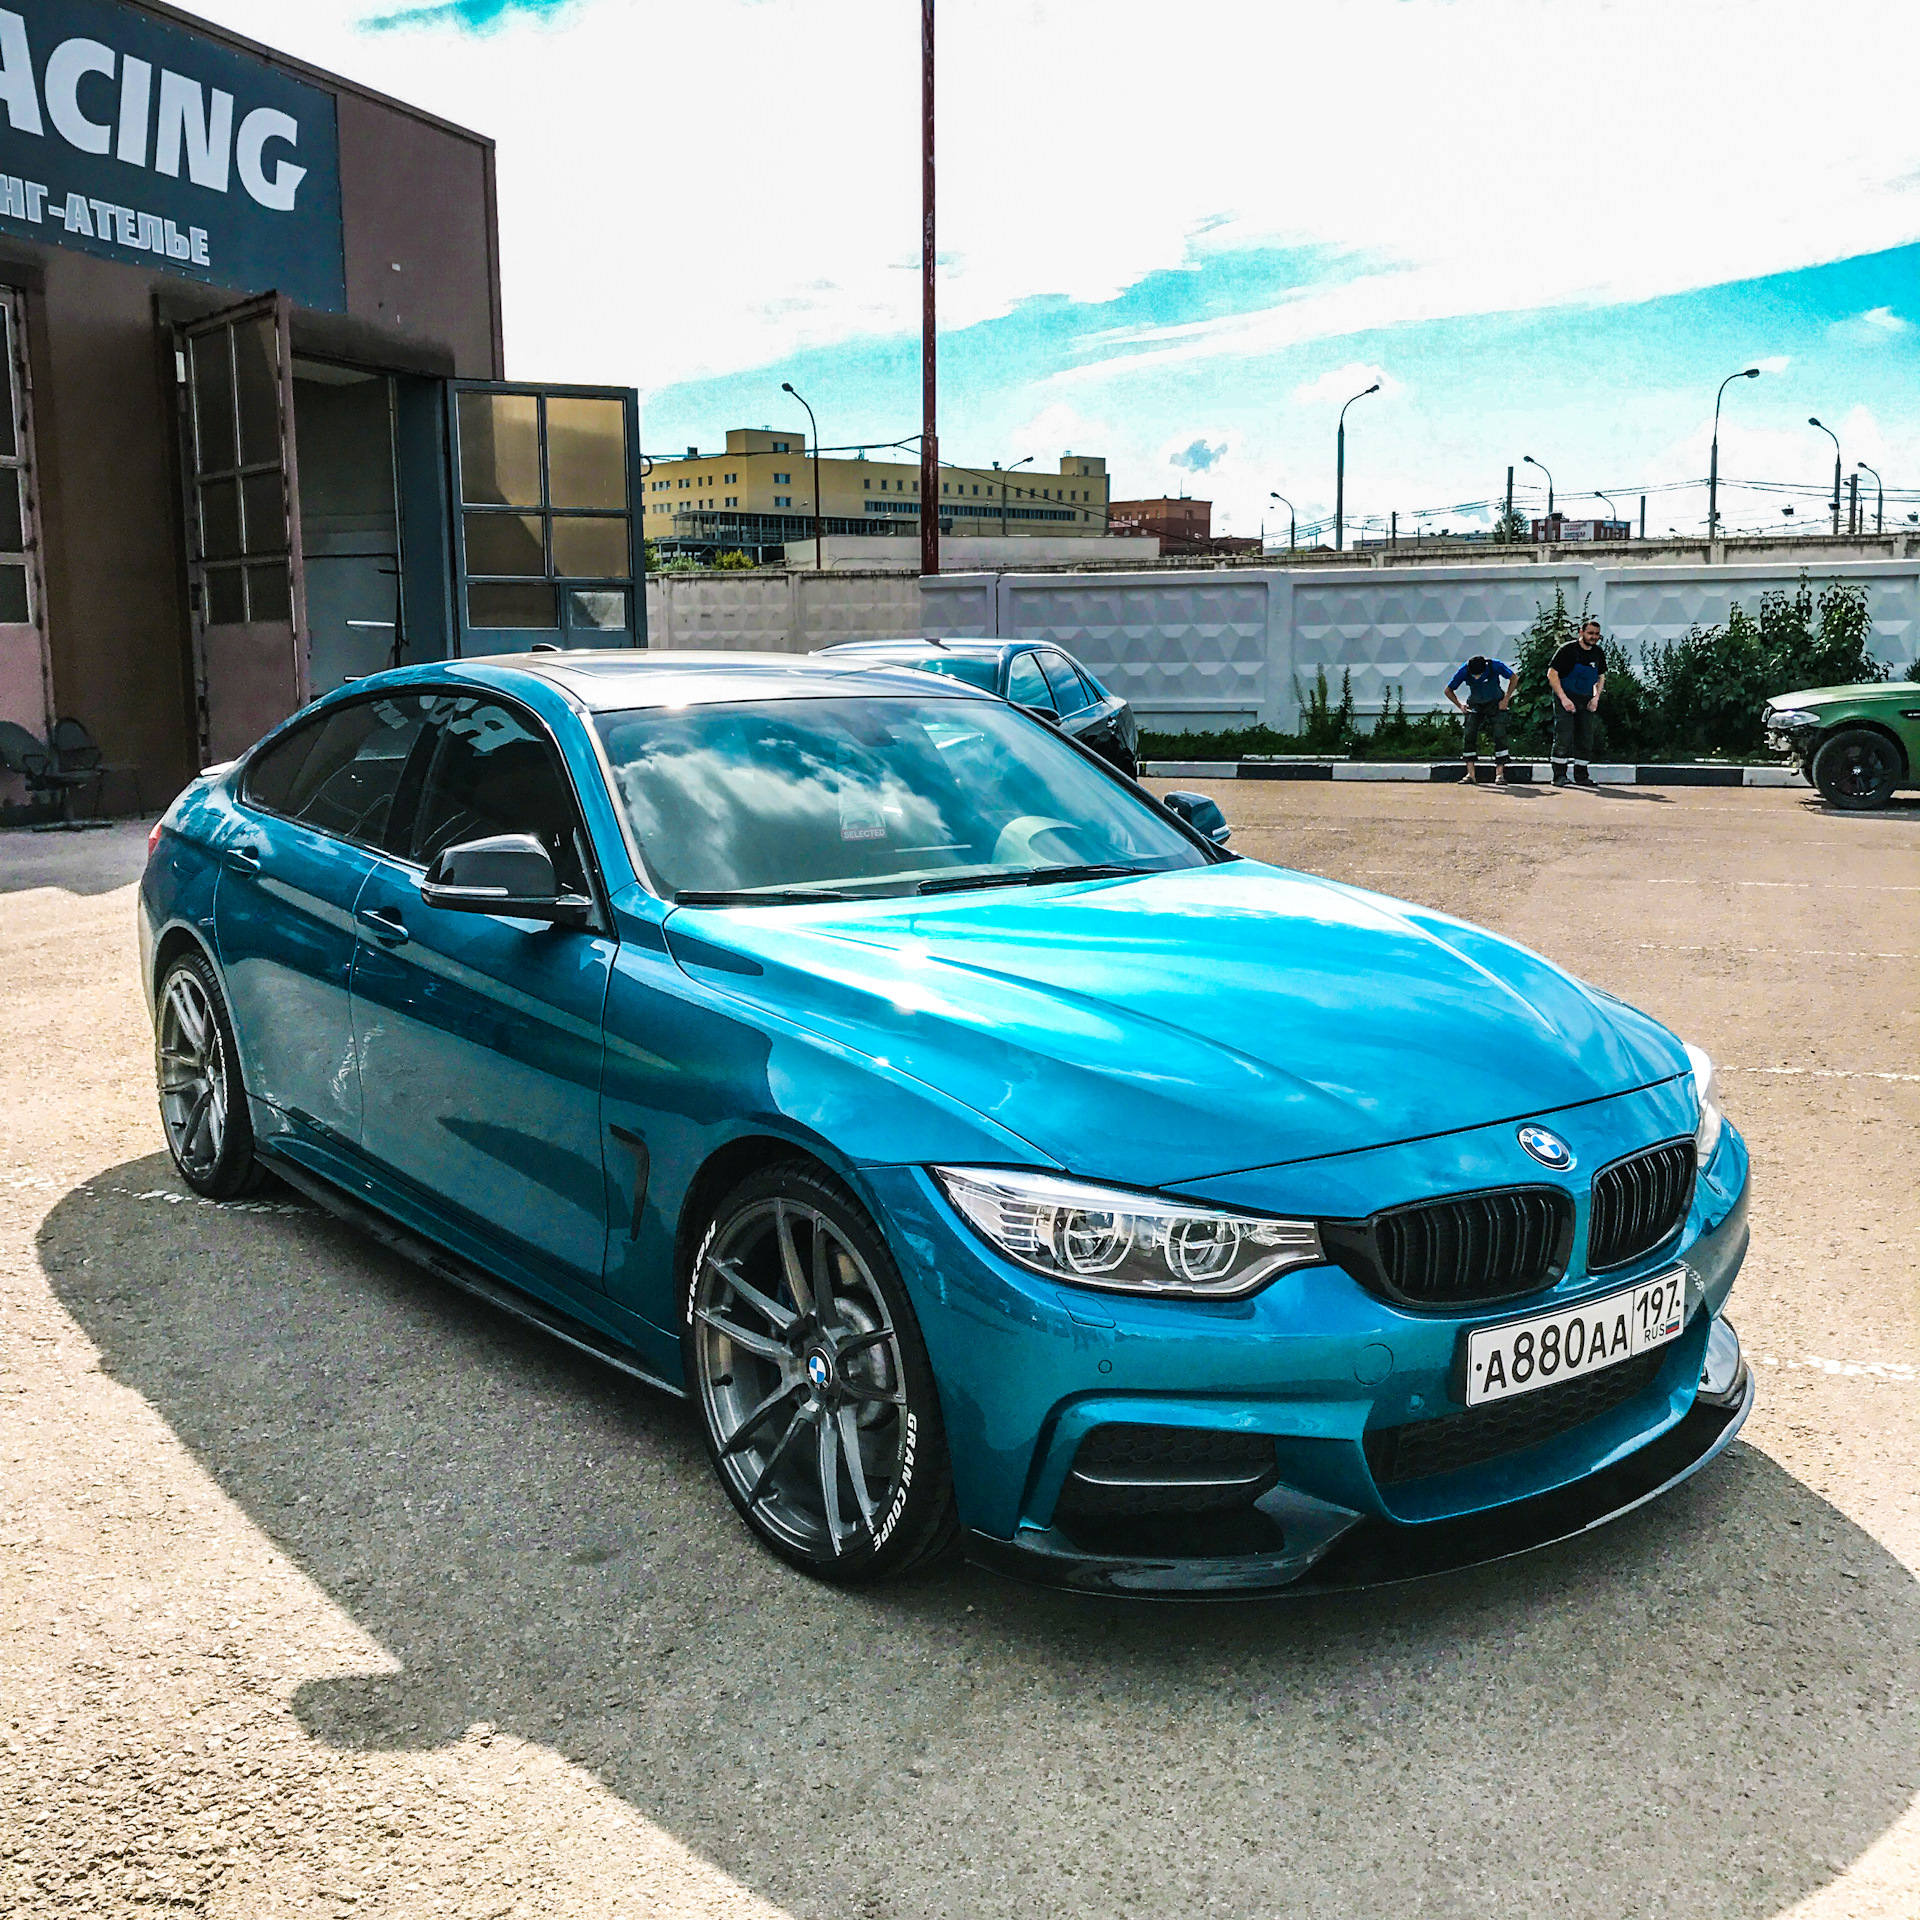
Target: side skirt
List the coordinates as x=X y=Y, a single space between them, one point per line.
x=469 y=1278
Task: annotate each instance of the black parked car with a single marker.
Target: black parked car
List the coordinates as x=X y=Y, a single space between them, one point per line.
x=1040 y=678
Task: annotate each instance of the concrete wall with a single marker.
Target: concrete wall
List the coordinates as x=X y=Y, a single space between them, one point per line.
x=1198 y=651
x=779 y=612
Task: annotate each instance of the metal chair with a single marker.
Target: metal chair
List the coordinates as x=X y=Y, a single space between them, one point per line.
x=77 y=751
x=40 y=767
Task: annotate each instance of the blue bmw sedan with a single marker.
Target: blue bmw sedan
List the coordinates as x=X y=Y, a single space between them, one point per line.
x=994 y=1161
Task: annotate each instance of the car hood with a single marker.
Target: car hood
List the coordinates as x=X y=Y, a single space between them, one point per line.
x=1834 y=696
x=1167 y=1027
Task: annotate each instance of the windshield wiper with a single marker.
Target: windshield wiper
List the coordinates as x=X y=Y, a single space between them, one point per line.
x=760 y=897
x=1029 y=877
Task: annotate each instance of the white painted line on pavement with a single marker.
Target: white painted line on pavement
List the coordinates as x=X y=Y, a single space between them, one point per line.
x=1824 y=1073
x=1902 y=1371
x=1789 y=953
x=1834 y=886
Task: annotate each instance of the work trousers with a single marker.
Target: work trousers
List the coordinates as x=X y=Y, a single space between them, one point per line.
x=1493 y=719
x=1574 y=734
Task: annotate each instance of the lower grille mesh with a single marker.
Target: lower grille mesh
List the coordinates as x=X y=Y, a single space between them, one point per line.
x=1424 y=1448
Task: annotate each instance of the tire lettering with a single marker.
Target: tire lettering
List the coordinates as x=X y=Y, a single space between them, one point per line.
x=899 y=1505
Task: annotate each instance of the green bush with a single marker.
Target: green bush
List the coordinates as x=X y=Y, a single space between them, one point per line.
x=734 y=561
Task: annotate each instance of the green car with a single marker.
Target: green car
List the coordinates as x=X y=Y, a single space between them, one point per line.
x=1856 y=744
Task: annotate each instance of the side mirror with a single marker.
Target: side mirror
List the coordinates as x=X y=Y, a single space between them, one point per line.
x=1202 y=814
x=1042 y=713
x=507 y=873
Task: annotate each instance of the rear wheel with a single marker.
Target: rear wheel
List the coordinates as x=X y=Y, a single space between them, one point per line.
x=203 y=1105
x=813 y=1384
x=1857 y=769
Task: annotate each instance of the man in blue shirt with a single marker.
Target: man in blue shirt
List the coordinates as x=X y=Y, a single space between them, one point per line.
x=1489 y=685
x=1578 y=677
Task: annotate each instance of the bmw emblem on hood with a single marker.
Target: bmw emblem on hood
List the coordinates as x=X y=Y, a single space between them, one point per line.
x=1547 y=1147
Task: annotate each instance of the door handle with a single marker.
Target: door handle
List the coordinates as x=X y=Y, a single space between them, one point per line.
x=244 y=859
x=385 y=924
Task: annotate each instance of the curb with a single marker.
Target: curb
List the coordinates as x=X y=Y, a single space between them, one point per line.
x=1448 y=771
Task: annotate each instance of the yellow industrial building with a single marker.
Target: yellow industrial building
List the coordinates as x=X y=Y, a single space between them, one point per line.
x=758 y=495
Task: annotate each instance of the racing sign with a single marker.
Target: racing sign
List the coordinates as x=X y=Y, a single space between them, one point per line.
x=127 y=136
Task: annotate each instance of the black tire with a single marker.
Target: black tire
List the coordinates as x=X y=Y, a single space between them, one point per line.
x=1857 y=769
x=794 y=1380
x=203 y=1101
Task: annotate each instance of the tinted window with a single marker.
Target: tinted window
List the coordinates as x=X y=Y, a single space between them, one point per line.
x=494 y=770
x=339 y=773
x=977 y=670
x=1067 y=693
x=1026 y=685
x=878 y=794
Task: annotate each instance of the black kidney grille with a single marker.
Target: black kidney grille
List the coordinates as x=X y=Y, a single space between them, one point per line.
x=1471 y=1249
x=1638 y=1202
x=1456 y=1440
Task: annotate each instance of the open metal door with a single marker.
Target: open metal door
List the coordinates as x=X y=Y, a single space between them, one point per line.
x=547 y=545
x=235 y=372
x=26 y=676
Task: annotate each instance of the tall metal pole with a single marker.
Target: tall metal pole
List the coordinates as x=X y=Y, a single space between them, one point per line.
x=1340 y=474
x=1879 y=498
x=929 y=410
x=1003 y=493
x=1506 y=519
x=1292 y=537
x=813 y=427
x=1713 y=464
x=1541 y=464
x=1813 y=420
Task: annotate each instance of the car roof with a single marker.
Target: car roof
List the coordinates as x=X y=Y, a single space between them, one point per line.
x=912 y=648
x=617 y=679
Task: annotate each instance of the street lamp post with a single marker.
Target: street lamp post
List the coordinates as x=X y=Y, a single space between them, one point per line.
x=1532 y=462
x=1713 y=463
x=929 y=409
x=1003 y=494
x=1813 y=420
x=1879 y=497
x=1291 y=521
x=1340 y=474
x=819 y=564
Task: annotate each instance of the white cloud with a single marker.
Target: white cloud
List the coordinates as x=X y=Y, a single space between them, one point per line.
x=1876 y=327
x=689 y=189
x=1338 y=385
x=1775 y=363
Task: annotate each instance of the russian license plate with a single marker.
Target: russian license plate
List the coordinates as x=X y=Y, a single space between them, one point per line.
x=1526 y=1355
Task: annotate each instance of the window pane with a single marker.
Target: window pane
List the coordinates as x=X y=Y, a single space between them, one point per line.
x=602 y=611
x=589 y=548
x=271 y=775
x=500 y=449
x=1064 y=682
x=226 y=597
x=256 y=375
x=269 y=592
x=13 y=538
x=220 y=519
x=213 y=401
x=494 y=772
x=586 y=453
x=1026 y=685
x=264 y=497
x=346 y=783
x=501 y=603
x=505 y=543
x=13 y=595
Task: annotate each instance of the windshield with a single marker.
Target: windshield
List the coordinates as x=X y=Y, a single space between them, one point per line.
x=871 y=795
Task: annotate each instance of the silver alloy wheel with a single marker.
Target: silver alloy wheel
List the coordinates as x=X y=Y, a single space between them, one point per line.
x=801 y=1379
x=193 y=1075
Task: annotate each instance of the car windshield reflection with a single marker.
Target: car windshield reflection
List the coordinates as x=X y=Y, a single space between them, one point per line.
x=768 y=803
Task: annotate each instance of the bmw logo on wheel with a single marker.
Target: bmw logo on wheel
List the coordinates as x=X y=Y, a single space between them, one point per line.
x=1547 y=1147
x=819 y=1369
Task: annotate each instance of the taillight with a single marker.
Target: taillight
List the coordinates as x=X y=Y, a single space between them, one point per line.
x=153 y=838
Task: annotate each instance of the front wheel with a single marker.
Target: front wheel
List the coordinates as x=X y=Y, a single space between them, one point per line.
x=813 y=1384
x=203 y=1105
x=1857 y=769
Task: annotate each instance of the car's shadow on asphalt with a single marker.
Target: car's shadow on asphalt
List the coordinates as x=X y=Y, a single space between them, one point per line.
x=1705 y=1708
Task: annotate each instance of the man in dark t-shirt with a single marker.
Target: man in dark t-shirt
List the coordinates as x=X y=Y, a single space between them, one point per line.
x=1578 y=676
x=1489 y=685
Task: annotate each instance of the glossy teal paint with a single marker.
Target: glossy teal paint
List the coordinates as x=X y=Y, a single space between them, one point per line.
x=1249 y=1036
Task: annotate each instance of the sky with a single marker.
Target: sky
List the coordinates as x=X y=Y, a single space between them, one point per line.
x=1183 y=236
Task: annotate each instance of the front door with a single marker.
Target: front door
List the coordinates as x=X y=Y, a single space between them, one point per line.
x=546 y=549
x=243 y=529
x=479 y=1037
x=26 y=695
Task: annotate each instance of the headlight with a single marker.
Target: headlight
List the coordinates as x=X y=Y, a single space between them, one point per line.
x=1706 y=1091
x=1787 y=718
x=1125 y=1242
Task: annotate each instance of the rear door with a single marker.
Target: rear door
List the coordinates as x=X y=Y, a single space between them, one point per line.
x=1084 y=711
x=547 y=549
x=26 y=681
x=245 y=585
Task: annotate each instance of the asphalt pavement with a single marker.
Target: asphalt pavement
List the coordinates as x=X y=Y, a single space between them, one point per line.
x=325 y=1590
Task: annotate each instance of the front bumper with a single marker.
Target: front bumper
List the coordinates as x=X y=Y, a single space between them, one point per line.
x=1318 y=1369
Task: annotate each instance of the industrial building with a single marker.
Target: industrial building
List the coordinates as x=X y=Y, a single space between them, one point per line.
x=757 y=495
x=256 y=436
